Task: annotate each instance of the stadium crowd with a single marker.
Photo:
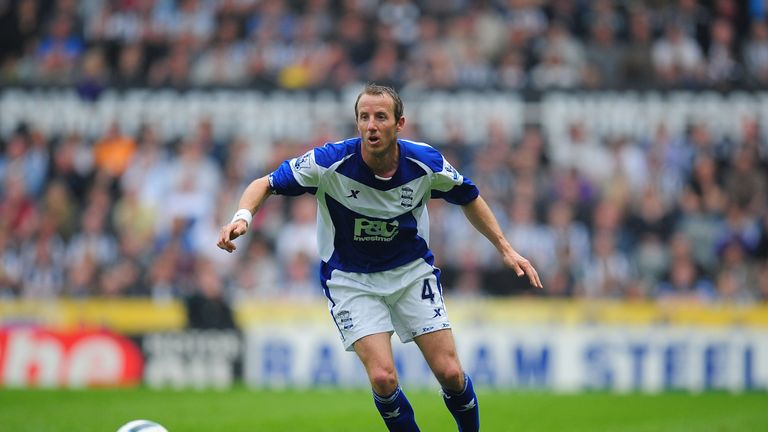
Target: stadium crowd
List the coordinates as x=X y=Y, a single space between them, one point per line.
x=665 y=216
x=305 y=44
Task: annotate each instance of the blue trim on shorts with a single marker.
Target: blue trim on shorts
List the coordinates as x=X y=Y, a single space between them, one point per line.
x=436 y=272
x=326 y=272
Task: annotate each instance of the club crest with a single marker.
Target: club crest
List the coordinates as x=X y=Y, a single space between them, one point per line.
x=406 y=196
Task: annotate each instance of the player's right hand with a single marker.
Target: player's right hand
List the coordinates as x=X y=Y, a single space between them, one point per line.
x=230 y=232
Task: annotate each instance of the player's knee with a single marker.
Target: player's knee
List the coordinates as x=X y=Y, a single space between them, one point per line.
x=383 y=381
x=451 y=377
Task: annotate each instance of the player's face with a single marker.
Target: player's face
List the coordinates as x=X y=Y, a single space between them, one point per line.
x=377 y=124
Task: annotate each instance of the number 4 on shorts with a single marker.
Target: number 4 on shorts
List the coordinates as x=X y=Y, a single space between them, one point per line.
x=426 y=291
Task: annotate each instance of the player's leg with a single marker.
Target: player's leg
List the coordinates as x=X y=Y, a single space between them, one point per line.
x=375 y=352
x=439 y=349
x=419 y=314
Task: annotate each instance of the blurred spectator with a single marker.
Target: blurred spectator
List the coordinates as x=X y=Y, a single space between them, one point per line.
x=706 y=181
x=132 y=217
x=120 y=279
x=58 y=206
x=186 y=21
x=685 y=283
x=607 y=272
x=582 y=151
x=402 y=16
x=59 y=50
x=82 y=279
x=11 y=268
x=163 y=276
x=722 y=63
x=755 y=52
x=569 y=239
x=26 y=158
x=637 y=63
x=299 y=280
x=561 y=60
x=131 y=66
x=526 y=16
x=762 y=282
x=649 y=216
x=298 y=235
x=739 y=226
x=649 y=259
x=526 y=233
x=603 y=55
x=113 y=152
x=746 y=184
x=677 y=58
x=698 y=226
x=72 y=164
x=193 y=178
x=147 y=173
x=492 y=170
x=172 y=69
x=18 y=210
x=630 y=164
x=21 y=23
x=225 y=61
x=736 y=277
x=43 y=275
x=690 y=15
x=511 y=71
x=355 y=38
x=92 y=78
x=207 y=307
x=259 y=279
x=93 y=241
x=761 y=251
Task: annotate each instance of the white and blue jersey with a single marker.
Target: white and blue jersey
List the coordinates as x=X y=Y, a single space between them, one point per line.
x=366 y=224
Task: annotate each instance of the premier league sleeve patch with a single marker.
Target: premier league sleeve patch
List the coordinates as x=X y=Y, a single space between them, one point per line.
x=303 y=162
x=450 y=170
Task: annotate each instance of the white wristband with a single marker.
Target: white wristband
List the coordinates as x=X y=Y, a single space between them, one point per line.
x=243 y=214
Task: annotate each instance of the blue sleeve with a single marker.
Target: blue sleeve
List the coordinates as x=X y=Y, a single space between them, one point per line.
x=283 y=182
x=449 y=184
x=461 y=194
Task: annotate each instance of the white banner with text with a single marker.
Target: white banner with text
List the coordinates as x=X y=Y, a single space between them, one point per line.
x=559 y=358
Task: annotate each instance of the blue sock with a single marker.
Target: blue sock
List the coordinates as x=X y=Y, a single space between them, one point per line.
x=396 y=411
x=463 y=406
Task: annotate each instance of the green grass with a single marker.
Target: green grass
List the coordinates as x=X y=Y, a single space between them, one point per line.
x=339 y=411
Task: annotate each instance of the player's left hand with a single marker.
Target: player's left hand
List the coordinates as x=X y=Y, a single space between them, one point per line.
x=522 y=266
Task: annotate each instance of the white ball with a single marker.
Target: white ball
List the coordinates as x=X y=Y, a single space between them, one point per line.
x=142 y=426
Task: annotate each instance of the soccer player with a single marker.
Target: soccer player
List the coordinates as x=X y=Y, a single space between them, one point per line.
x=373 y=233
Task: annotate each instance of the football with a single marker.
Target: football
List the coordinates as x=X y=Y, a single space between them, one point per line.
x=142 y=426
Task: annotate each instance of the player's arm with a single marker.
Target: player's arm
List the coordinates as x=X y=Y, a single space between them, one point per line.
x=253 y=197
x=480 y=215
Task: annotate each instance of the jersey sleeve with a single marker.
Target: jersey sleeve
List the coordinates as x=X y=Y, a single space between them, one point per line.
x=296 y=176
x=453 y=187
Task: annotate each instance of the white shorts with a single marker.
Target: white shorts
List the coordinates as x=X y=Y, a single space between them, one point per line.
x=407 y=300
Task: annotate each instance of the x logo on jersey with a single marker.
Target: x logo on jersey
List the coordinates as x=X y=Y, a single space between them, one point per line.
x=437 y=312
x=353 y=193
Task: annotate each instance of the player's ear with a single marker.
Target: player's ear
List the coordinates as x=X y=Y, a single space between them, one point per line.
x=401 y=123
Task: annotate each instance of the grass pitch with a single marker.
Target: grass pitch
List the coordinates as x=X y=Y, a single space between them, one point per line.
x=242 y=409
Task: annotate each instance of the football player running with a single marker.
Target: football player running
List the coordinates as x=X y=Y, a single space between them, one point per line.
x=373 y=232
